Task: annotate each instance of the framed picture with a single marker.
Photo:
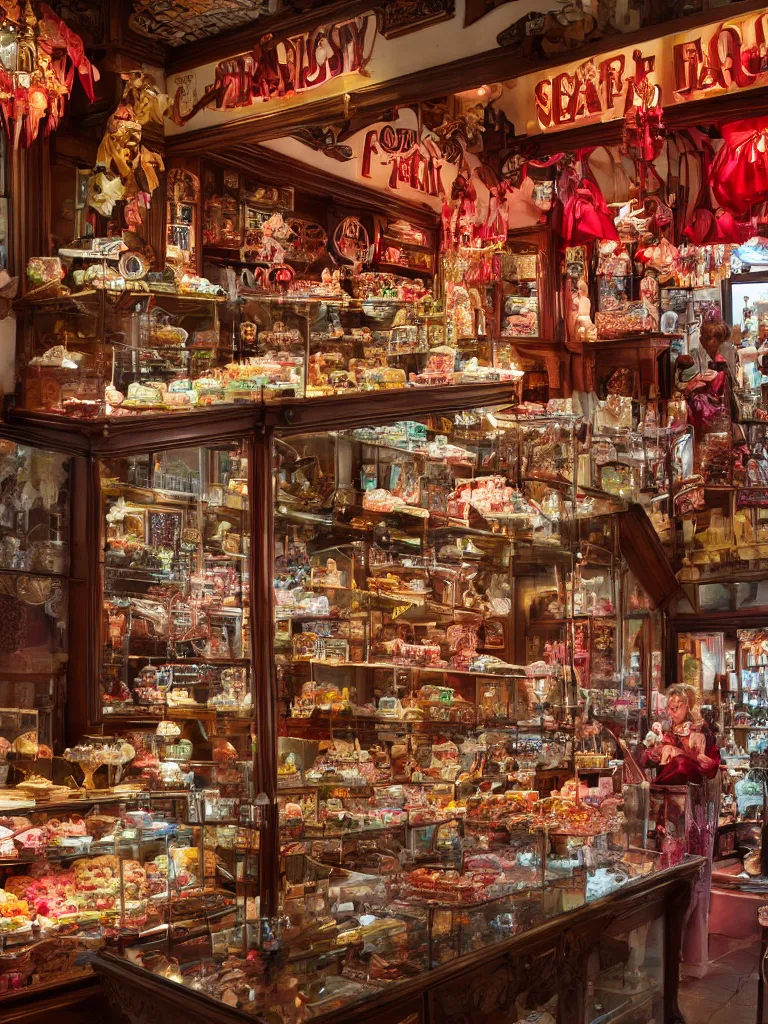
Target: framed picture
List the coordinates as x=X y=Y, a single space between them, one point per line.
x=231 y=181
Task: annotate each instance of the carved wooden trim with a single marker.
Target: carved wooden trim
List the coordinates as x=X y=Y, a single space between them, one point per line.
x=401 y=17
x=336 y=412
x=646 y=556
x=29 y=206
x=132 y=46
x=129 y=436
x=500 y=63
x=32 y=1005
x=262 y=613
x=111 y=438
x=128 y=1006
x=677 y=904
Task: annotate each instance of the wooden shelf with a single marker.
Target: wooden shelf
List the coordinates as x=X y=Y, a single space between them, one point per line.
x=122 y=435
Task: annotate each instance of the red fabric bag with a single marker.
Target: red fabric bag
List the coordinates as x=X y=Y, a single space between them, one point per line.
x=586 y=216
x=707 y=227
x=739 y=172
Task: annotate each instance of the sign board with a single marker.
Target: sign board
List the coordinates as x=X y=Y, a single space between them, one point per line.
x=728 y=56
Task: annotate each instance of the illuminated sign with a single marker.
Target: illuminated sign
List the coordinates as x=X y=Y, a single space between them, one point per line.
x=728 y=56
x=280 y=68
x=591 y=89
x=413 y=165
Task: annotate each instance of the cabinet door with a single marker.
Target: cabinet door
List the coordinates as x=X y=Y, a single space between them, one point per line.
x=625 y=972
x=504 y=991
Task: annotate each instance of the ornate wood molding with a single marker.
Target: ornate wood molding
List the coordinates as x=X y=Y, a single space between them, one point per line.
x=337 y=412
x=113 y=438
x=499 y=64
x=646 y=557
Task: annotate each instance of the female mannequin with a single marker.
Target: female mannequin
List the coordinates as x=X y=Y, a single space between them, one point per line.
x=687 y=752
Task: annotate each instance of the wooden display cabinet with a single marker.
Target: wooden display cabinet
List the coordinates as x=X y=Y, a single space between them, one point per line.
x=576 y=960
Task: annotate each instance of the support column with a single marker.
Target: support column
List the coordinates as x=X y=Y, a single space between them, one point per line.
x=261 y=506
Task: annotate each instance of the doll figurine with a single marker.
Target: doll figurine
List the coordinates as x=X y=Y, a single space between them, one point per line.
x=582 y=328
x=687 y=751
x=271 y=250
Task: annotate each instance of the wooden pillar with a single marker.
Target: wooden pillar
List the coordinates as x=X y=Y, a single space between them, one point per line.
x=84 y=602
x=29 y=204
x=261 y=504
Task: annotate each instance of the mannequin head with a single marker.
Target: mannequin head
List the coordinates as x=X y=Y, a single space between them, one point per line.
x=681 y=701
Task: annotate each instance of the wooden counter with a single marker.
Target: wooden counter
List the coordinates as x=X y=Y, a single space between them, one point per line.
x=555 y=957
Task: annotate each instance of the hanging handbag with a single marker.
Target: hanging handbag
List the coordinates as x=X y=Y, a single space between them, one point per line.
x=706 y=227
x=739 y=173
x=585 y=214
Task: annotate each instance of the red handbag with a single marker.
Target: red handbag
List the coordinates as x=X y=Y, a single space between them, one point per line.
x=585 y=215
x=707 y=227
x=739 y=172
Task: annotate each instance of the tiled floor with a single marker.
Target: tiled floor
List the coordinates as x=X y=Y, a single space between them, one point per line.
x=728 y=992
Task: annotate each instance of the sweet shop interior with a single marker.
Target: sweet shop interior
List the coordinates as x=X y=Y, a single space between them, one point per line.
x=383 y=511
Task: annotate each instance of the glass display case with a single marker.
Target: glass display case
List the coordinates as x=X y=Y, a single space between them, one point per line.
x=114 y=865
x=378 y=332
x=628 y=303
x=625 y=978
x=34 y=570
x=415 y=729
x=701 y=660
x=615 y=957
x=176 y=611
x=89 y=354
x=182 y=245
x=519 y=276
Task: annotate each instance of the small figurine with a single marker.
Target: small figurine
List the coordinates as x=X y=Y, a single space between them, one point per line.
x=327 y=575
x=582 y=327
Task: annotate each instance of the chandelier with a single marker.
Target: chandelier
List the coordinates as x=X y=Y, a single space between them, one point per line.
x=39 y=57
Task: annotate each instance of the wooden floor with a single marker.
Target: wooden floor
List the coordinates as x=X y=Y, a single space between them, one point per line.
x=728 y=992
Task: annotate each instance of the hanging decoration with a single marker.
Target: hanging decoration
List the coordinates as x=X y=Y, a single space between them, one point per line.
x=327 y=139
x=585 y=214
x=39 y=57
x=644 y=129
x=739 y=173
x=122 y=151
x=553 y=32
x=461 y=134
x=351 y=242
